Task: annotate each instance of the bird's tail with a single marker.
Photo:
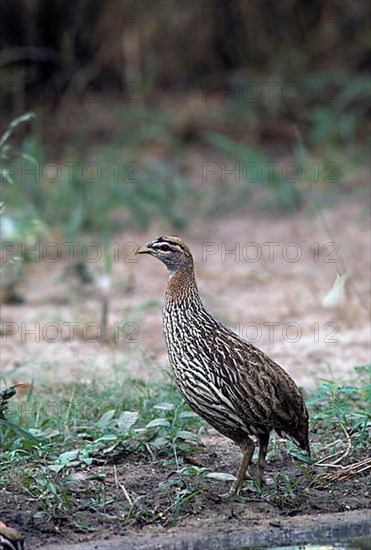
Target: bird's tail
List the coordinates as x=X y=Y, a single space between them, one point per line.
x=301 y=439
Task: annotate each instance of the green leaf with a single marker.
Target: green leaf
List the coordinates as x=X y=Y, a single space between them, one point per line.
x=30 y=158
x=15 y=122
x=221 y=476
x=67 y=456
x=107 y=450
x=188 y=414
x=106 y=418
x=192 y=470
x=300 y=456
x=158 y=422
x=106 y=437
x=6 y=175
x=127 y=419
x=56 y=467
x=20 y=431
x=348 y=389
x=160 y=442
x=165 y=407
x=188 y=436
x=23 y=118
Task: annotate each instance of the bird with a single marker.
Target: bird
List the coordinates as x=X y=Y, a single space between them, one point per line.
x=10 y=539
x=229 y=382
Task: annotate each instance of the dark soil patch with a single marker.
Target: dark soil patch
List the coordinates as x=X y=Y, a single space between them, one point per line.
x=165 y=502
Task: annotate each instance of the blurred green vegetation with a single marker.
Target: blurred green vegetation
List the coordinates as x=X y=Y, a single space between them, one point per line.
x=131 y=106
x=153 y=164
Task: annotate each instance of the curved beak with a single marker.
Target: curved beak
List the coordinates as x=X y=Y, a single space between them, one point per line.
x=144 y=250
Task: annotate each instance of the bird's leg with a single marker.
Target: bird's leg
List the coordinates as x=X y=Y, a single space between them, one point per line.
x=263 y=448
x=247 y=448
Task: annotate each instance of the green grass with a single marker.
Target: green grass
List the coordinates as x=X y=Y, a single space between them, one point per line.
x=56 y=432
x=344 y=408
x=101 y=188
x=130 y=194
x=256 y=171
x=60 y=434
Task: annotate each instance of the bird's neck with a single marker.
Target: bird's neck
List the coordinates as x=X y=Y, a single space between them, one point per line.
x=182 y=286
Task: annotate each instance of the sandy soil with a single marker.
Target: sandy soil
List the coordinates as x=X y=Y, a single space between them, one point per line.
x=274 y=301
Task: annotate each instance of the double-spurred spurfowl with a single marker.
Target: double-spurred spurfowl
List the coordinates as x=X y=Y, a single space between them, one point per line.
x=229 y=382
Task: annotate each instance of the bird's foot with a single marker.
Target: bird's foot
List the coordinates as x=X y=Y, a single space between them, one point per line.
x=233 y=491
x=229 y=494
x=259 y=481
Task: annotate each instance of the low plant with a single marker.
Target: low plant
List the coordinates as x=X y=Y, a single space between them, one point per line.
x=59 y=445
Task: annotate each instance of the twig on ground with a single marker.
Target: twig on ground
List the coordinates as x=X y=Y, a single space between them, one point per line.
x=347 y=471
x=148 y=448
x=336 y=463
x=122 y=487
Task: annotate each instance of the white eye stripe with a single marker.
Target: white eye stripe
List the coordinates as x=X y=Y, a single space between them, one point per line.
x=172 y=247
x=161 y=247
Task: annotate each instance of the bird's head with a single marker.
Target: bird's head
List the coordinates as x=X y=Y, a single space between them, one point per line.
x=172 y=251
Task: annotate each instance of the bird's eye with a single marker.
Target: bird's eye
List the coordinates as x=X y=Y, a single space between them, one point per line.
x=165 y=248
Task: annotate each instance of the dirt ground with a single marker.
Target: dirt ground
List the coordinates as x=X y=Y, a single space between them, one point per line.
x=206 y=513
x=274 y=301
x=243 y=294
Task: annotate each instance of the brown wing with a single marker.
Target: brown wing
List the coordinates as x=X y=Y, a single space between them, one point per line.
x=263 y=393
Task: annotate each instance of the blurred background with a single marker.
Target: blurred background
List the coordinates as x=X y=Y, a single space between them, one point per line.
x=161 y=86
x=222 y=121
